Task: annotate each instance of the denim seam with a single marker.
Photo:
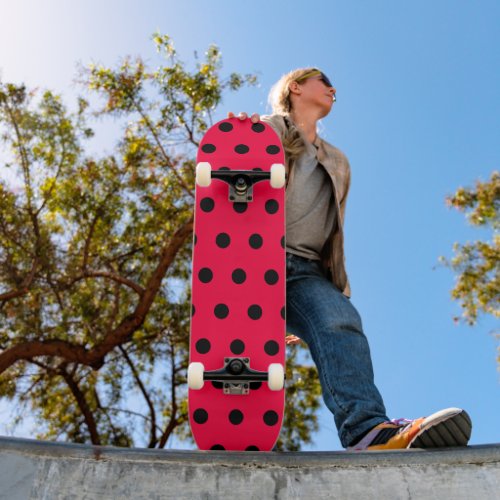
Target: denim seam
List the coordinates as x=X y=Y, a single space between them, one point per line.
x=345 y=410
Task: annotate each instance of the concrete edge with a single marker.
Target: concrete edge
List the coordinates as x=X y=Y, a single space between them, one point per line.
x=477 y=454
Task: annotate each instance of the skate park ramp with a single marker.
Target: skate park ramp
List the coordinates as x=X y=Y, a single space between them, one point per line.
x=32 y=469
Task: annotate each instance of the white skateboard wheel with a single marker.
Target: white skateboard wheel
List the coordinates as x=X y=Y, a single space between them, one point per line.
x=195 y=375
x=276 y=377
x=203 y=174
x=277 y=175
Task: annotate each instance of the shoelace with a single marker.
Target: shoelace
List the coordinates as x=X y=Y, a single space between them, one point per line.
x=384 y=434
x=401 y=421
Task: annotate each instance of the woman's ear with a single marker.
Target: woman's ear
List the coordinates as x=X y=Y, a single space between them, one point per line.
x=294 y=87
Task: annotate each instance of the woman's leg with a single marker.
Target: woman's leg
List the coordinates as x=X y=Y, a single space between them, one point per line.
x=326 y=320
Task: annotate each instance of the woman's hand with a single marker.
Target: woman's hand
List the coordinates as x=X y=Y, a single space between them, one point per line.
x=243 y=116
x=292 y=340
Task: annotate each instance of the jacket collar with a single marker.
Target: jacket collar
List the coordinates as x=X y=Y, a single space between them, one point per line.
x=327 y=160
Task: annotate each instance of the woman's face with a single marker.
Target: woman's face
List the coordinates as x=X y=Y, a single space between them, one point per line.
x=315 y=91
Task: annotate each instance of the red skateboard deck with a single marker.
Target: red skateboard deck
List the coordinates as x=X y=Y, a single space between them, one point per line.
x=238 y=291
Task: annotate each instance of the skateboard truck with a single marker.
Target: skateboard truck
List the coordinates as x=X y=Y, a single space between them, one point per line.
x=240 y=182
x=236 y=376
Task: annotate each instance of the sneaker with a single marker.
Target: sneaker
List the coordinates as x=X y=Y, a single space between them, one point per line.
x=450 y=427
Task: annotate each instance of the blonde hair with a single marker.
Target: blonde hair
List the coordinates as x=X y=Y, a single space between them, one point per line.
x=279 y=96
x=281 y=104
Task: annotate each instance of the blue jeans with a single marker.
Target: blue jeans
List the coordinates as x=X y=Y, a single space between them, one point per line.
x=325 y=319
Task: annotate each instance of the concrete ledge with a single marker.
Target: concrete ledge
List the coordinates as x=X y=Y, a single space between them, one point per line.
x=36 y=469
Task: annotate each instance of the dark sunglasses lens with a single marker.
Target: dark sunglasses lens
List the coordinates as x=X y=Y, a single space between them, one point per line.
x=326 y=80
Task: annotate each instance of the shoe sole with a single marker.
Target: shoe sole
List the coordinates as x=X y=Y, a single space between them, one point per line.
x=451 y=427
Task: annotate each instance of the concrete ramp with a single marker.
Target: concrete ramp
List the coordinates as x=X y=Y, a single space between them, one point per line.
x=42 y=470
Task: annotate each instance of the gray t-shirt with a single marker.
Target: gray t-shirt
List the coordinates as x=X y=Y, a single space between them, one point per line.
x=310 y=207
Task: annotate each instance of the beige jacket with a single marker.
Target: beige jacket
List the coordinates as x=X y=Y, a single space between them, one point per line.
x=337 y=166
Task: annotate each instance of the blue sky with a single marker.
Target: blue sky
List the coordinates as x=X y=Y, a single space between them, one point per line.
x=418 y=115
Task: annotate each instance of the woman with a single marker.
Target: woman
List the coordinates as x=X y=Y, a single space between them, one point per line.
x=319 y=310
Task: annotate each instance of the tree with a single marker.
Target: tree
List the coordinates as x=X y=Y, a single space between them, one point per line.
x=95 y=254
x=477 y=266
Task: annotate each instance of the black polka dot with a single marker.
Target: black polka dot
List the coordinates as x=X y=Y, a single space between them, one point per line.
x=272 y=348
x=223 y=240
x=208 y=148
x=283 y=312
x=195 y=239
x=205 y=275
x=237 y=346
x=240 y=207
x=271 y=277
x=255 y=385
x=255 y=312
x=217 y=385
x=207 y=204
x=239 y=276
x=258 y=127
x=283 y=242
x=257 y=169
x=200 y=416
x=272 y=206
x=273 y=150
x=221 y=311
x=224 y=168
x=193 y=309
x=242 y=149
x=217 y=447
x=203 y=346
x=252 y=448
x=255 y=241
x=271 y=418
x=226 y=127
x=236 y=417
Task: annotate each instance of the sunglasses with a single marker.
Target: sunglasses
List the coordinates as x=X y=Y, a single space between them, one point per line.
x=323 y=78
x=316 y=72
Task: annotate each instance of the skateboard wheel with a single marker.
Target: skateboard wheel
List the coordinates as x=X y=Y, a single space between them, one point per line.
x=195 y=375
x=203 y=174
x=277 y=175
x=276 y=377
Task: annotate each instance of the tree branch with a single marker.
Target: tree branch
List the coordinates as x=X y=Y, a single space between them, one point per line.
x=89 y=238
x=152 y=440
x=82 y=404
x=53 y=184
x=119 y=335
x=173 y=422
x=24 y=288
x=114 y=277
x=160 y=146
x=5 y=231
x=27 y=177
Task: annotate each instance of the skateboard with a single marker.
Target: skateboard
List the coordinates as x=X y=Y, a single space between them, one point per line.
x=236 y=390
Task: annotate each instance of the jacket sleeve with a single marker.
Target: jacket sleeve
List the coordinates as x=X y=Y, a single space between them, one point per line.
x=347 y=185
x=347 y=291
